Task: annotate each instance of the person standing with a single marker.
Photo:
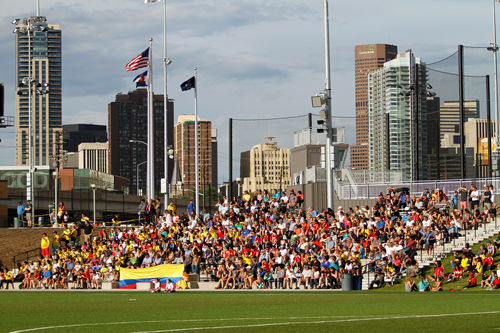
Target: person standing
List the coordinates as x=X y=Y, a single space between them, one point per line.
x=20 y=212
x=462 y=191
x=142 y=210
x=486 y=197
x=157 y=210
x=88 y=229
x=53 y=218
x=171 y=207
x=29 y=210
x=55 y=242
x=60 y=212
x=190 y=208
x=45 y=244
x=473 y=196
x=66 y=235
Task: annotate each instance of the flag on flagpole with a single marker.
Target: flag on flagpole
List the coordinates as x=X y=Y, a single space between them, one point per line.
x=140 y=80
x=140 y=61
x=189 y=84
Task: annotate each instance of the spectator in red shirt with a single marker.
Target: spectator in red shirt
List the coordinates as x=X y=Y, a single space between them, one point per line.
x=438 y=271
x=471 y=282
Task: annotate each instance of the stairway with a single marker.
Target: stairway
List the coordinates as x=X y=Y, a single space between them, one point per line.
x=472 y=237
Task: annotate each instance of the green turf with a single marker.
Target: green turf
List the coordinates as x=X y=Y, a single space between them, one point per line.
x=265 y=311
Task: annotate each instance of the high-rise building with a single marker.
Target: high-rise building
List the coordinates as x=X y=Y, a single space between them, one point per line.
x=265 y=167
x=93 y=156
x=368 y=58
x=43 y=47
x=450 y=115
x=395 y=111
x=185 y=152
x=127 y=120
x=75 y=134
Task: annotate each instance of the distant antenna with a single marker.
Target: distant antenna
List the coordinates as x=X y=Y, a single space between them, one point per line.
x=37 y=7
x=269 y=138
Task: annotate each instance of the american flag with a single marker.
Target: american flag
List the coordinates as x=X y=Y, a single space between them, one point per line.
x=140 y=61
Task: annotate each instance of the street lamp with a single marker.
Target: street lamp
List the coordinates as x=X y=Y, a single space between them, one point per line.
x=166 y=62
x=29 y=26
x=93 y=190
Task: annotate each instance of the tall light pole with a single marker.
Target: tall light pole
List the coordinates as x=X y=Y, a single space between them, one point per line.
x=325 y=98
x=328 y=109
x=29 y=26
x=494 y=48
x=166 y=62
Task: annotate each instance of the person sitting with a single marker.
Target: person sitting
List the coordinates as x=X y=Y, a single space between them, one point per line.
x=410 y=285
x=471 y=282
x=169 y=286
x=439 y=284
x=423 y=285
x=156 y=287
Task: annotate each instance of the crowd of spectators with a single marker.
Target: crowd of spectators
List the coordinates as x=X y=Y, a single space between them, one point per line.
x=268 y=240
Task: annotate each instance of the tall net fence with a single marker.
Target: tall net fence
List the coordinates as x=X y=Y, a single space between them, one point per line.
x=266 y=144
x=443 y=160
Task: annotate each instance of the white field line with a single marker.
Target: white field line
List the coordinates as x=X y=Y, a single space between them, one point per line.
x=242 y=326
x=171 y=320
x=319 y=322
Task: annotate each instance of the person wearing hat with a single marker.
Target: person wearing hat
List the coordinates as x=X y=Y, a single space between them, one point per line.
x=45 y=244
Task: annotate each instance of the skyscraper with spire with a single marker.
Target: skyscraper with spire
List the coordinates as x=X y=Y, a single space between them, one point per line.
x=42 y=47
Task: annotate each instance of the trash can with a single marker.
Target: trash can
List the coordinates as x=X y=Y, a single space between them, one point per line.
x=41 y=222
x=357 y=282
x=346 y=282
x=17 y=223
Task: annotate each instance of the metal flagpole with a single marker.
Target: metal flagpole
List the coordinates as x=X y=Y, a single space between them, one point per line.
x=165 y=105
x=328 y=108
x=150 y=159
x=196 y=171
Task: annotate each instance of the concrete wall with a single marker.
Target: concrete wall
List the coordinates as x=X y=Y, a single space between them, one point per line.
x=315 y=196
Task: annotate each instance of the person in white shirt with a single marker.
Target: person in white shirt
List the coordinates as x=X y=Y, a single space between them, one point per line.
x=306 y=276
x=290 y=277
x=167 y=220
x=474 y=194
x=169 y=287
x=157 y=286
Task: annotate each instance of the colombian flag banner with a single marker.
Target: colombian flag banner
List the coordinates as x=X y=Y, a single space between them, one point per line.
x=130 y=277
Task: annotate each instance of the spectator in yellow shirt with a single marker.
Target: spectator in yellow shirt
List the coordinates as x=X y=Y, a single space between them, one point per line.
x=7 y=278
x=45 y=244
x=55 y=242
x=66 y=235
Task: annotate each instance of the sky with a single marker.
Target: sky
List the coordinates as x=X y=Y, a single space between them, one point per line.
x=256 y=59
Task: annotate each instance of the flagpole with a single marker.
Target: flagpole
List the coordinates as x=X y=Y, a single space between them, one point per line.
x=196 y=171
x=166 y=160
x=151 y=144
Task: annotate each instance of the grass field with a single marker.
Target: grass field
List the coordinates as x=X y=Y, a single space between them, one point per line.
x=265 y=311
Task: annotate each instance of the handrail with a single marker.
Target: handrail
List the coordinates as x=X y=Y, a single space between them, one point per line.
x=26 y=255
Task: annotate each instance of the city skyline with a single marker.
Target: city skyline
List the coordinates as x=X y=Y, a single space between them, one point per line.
x=243 y=71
